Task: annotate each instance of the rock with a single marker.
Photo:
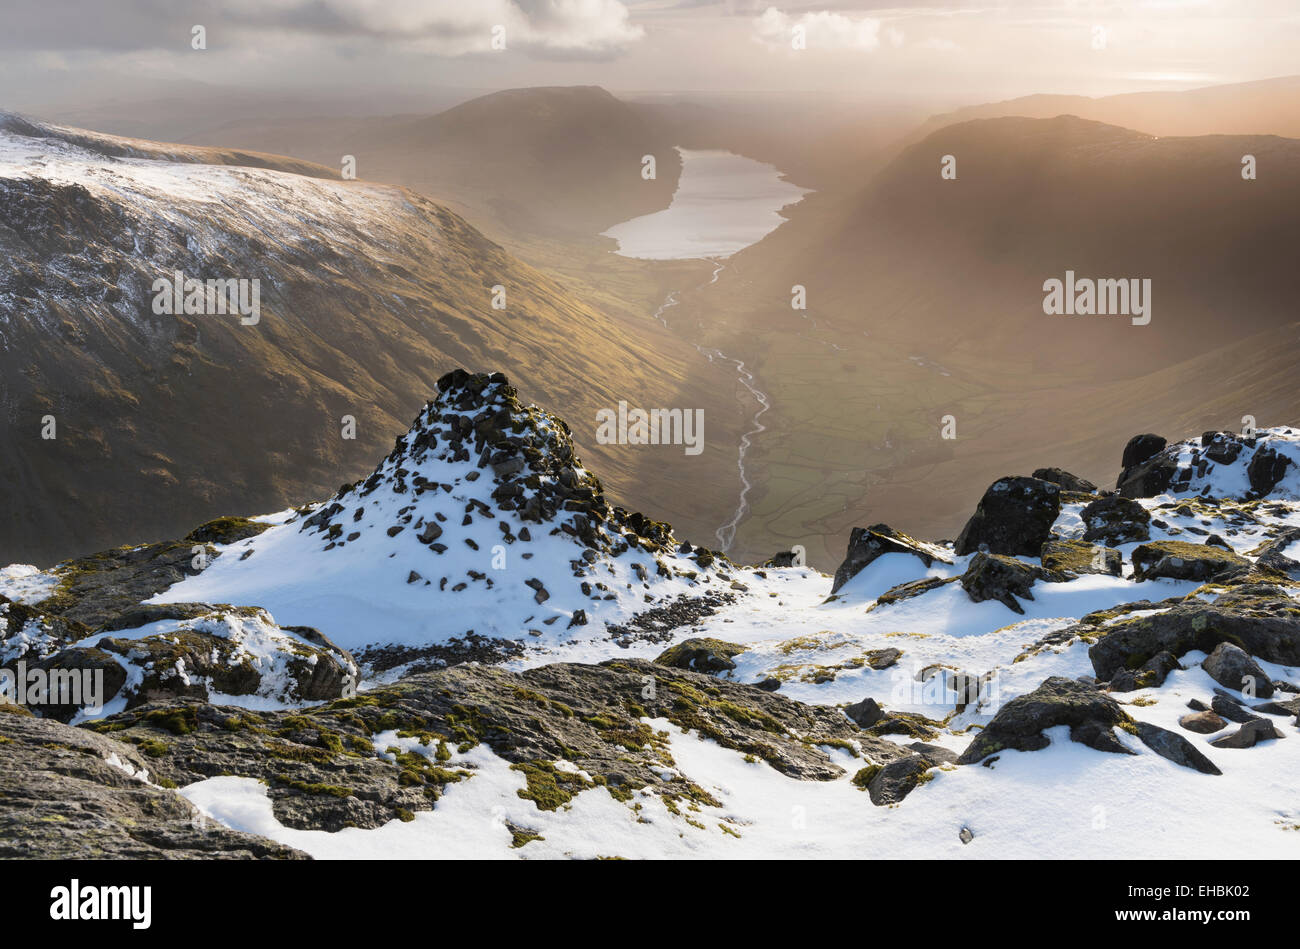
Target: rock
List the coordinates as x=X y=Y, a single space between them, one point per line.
x=1249 y=735
x=865 y=713
x=1014 y=517
x=1233 y=668
x=1266 y=469
x=1178 y=560
x=1076 y=556
x=1140 y=448
x=965 y=836
x=1019 y=724
x=60 y=799
x=1259 y=617
x=1174 y=747
x=996 y=577
x=1203 y=723
x=1287 y=707
x=226 y=530
x=905 y=591
x=1231 y=709
x=1067 y=481
x=935 y=753
x=894 y=781
x=1115 y=520
x=782 y=558
x=769 y=684
x=1151 y=674
x=705 y=655
x=1269 y=554
x=1148 y=469
x=868 y=543
x=1222 y=448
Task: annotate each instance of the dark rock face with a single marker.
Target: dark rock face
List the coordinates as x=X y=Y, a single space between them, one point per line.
x=905 y=591
x=782 y=558
x=1266 y=469
x=84 y=808
x=701 y=655
x=1178 y=560
x=1014 y=517
x=1115 y=520
x=1020 y=723
x=1140 y=448
x=1076 y=556
x=1067 y=481
x=994 y=577
x=1175 y=748
x=868 y=543
x=1260 y=617
x=1233 y=668
x=1145 y=472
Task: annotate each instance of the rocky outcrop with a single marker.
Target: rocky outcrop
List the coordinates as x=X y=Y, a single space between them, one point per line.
x=1019 y=725
x=71 y=794
x=705 y=655
x=1014 y=517
x=1262 y=619
x=1067 y=481
x=1078 y=557
x=1115 y=520
x=1178 y=560
x=868 y=543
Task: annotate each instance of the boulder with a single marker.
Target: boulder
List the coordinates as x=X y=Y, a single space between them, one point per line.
x=1174 y=747
x=1249 y=735
x=1150 y=675
x=1067 y=481
x=1014 y=518
x=1266 y=469
x=868 y=543
x=995 y=577
x=1260 y=618
x=1115 y=520
x=1179 y=560
x=1233 y=668
x=905 y=591
x=1141 y=448
x=1203 y=723
x=701 y=654
x=1076 y=556
x=1269 y=554
x=865 y=713
x=1091 y=716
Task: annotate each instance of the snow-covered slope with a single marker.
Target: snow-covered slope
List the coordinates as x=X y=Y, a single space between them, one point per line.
x=482 y=521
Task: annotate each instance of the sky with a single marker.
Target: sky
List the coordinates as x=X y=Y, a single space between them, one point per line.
x=78 y=50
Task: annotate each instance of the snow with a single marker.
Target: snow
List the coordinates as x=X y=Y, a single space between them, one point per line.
x=26 y=584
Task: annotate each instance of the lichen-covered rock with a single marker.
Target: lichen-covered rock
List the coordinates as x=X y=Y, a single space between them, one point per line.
x=70 y=794
x=1179 y=560
x=868 y=543
x=224 y=654
x=1078 y=557
x=1019 y=725
x=1014 y=517
x=1115 y=520
x=1150 y=675
x=1261 y=618
x=701 y=655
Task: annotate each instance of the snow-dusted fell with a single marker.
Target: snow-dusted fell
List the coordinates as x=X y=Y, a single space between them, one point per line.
x=482 y=520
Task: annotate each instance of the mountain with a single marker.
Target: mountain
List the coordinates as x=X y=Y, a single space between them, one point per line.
x=367 y=294
x=925 y=356
x=562 y=161
x=1262 y=107
x=1086 y=648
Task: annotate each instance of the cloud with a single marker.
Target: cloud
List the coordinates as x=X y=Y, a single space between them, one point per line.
x=822 y=29
x=578 y=29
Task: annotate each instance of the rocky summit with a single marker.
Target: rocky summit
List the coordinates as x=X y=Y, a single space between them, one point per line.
x=474 y=651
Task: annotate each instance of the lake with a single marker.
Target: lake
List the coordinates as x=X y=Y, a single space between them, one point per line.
x=723 y=204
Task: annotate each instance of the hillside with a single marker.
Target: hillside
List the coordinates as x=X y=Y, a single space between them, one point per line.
x=368 y=294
